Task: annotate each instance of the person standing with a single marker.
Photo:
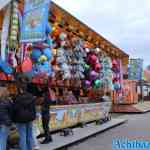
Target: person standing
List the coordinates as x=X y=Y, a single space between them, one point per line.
x=24 y=113
x=45 y=111
x=5 y=117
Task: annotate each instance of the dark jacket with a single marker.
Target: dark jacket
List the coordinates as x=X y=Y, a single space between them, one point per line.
x=24 y=108
x=5 y=112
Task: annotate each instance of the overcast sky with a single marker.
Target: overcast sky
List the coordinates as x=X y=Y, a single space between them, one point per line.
x=126 y=23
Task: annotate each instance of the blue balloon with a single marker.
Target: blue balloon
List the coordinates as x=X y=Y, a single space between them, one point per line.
x=5 y=67
x=116 y=86
x=46 y=67
x=36 y=53
x=48 y=53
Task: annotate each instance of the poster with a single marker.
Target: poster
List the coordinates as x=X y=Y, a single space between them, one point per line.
x=135 y=69
x=32 y=4
x=34 y=22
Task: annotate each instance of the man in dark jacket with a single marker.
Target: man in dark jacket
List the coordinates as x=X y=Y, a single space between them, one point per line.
x=23 y=115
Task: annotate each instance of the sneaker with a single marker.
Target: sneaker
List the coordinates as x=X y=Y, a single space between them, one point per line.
x=47 y=140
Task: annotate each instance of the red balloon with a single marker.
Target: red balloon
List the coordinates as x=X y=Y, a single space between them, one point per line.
x=93 y=59
x=97 y=67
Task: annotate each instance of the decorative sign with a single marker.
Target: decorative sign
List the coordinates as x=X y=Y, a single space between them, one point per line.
x=35 y=19
x=135 y=69
x=65 y=116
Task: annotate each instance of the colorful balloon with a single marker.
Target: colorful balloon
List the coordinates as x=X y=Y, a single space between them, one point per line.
x=93 y=59
x=42 y=58
x=114 y=62
x=117 y=86
x=97 y=84
x=5 y=67
x=93 y=75
x=87 y=67
x=97 y=67
x=48 y=53
x=36 y=53
x=87 y=83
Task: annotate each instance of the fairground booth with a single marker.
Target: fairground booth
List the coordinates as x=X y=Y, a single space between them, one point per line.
x=51 y=47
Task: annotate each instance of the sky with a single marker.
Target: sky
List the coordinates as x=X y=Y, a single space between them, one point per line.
x=125 y=23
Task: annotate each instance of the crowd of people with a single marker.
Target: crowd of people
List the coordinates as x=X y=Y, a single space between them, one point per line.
x=21 y=112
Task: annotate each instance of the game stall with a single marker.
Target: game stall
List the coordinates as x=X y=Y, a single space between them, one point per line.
x=51 y=47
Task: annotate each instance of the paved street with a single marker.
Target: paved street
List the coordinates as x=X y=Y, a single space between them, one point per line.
x=137 y=127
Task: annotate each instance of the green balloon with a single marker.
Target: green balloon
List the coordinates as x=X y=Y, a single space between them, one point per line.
x=87 y=67
x=97 y=84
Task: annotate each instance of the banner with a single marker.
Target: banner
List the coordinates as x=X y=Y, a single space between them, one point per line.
x=32 y=4
x=135 y=69
x=34 y=22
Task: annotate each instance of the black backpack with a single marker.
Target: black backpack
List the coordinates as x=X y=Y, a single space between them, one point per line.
x=24 y=109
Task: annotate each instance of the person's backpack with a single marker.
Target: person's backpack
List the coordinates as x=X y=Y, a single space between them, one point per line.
x=24 y=109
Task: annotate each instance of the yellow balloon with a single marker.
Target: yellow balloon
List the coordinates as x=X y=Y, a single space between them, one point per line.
x=42 y=58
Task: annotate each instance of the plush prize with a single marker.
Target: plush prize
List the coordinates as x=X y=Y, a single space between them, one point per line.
x=62 y=36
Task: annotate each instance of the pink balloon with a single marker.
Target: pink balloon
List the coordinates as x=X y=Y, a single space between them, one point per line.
x=114 y=62
x=93 y=59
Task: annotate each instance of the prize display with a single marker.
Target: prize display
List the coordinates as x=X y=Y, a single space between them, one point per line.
x=47 y=50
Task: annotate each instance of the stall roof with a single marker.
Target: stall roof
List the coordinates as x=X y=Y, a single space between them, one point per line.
x=93 y=36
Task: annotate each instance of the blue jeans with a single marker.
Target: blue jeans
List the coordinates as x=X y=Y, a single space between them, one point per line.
x=4 y=131
x=26 y=136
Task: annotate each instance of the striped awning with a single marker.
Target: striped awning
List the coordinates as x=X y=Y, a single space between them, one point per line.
x=3 y=3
